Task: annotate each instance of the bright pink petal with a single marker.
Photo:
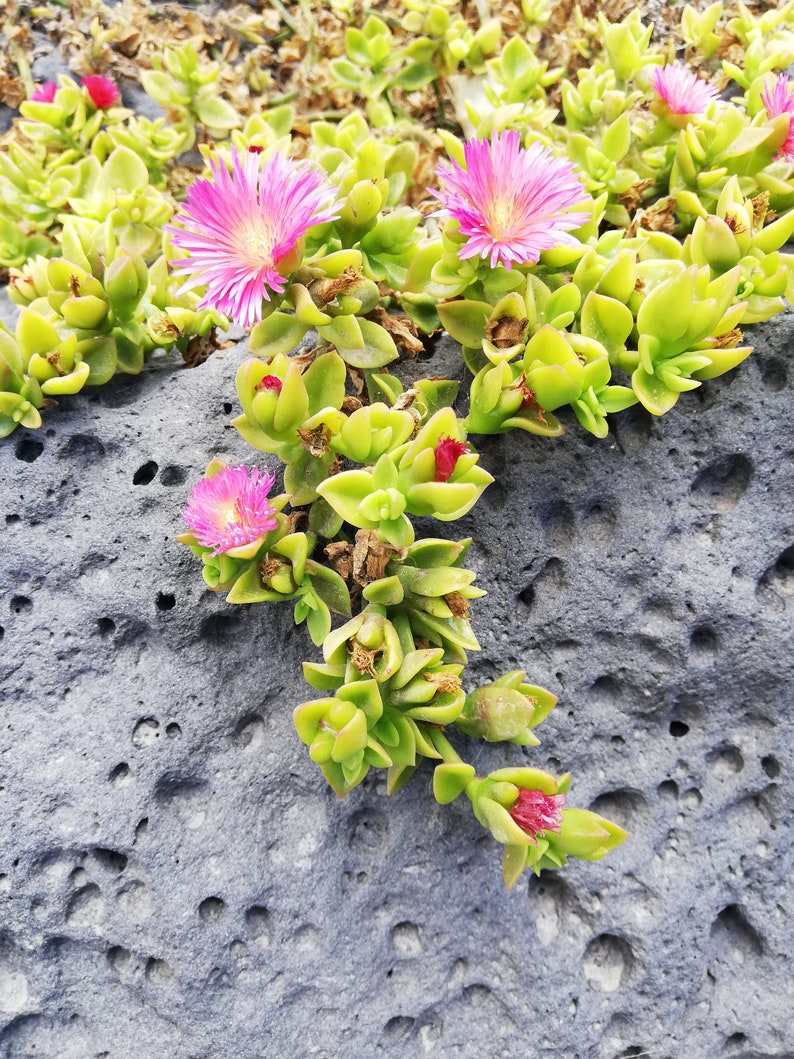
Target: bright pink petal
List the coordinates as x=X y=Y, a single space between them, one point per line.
x=780 y=100
x=681 y=90
x=536 y=812
x=45 y=93
x=239 y=227
x=231 y=509
x=511 y=203
x=102 y=92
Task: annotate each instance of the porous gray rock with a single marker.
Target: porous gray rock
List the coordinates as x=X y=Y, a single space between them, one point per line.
x=176 y=880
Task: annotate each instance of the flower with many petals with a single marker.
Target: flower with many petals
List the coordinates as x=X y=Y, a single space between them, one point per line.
x=447 y=452
x=536 y=812
x=45 y=92
x=681 y=93
x=244 y=230
x=780 y=100
x=231 y=510
x=102 y=92
x=511 y=203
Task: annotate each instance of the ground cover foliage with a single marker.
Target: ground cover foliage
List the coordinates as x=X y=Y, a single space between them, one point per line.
x=655 y=205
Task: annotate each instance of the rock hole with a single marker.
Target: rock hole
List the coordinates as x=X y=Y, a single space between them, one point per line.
x=725 y=760
x=668 y=789
x=771 y=766
x=257 y=919
x=723 y=482
x=141 y=828
x=227 y=408
x=211 y=909
x=20 y=604
x=105 y=627
x=607 y=960
x=774 y=374
x=172 y=730
x=734 y=936
x=678 y=729
x=28 y=450
x=158 y=972
x=145 y=473
x=109 y=859
x=165 y=601
x=405 y=939
x=84 y=447
x=11 y=520
x=119 y=958
x=704 y=641
x=145 y=732
x=120 y=776
x=173 y=475
x=398 y=1027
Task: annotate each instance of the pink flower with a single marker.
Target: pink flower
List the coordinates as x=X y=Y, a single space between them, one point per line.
x=510 y=201
x=270 y=382
x=231 y=510
x=536 y=812
x=244 y=230
x=680 y=90
x=45 y=93
x=102 y=92
x=780 y=100
x=447 y=452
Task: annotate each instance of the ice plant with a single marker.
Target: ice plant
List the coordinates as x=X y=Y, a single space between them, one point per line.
x=102 y=92
x=681 y=92
x=447 y=452
x=243 y=230
x=780 y=100
x=536 y=812
x=45 y=92
x=511 y=202
x=231 y=509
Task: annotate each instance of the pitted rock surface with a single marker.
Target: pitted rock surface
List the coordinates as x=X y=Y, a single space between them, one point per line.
x=177 y=881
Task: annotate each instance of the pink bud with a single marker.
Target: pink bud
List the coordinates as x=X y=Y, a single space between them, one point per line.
x=45 y=93
x=536 y=812
x=270 y=382
x=102 y=92
x=447 y=452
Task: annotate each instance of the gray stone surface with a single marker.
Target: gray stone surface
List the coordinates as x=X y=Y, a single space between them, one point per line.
x=177 y=882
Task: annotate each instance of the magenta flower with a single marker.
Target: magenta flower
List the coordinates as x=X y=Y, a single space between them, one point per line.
x=536 y=812
x=231 y=510
x=447 y=452
x=680 y=91
x=102 y=92
x=510 y=202
x=244 y=230
x=780 y=100
x=45 y=92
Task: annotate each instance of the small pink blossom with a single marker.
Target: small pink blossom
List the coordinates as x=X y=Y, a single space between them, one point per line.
x=780 y=100
x=231 y=509
x=680 y=90
x=447 y=452
x=102 y=92
x=269 y=382
x=45 y=92
x=536 y=812
x=511 y=202
x=243 y=230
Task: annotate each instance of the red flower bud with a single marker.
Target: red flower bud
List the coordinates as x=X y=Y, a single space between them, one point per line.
x=270 y=382
x=447 y=452
x=102 y=92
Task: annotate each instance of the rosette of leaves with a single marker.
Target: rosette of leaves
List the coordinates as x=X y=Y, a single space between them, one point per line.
x=375 y=65
x=20 y=393
x=186 y=86
x=738 y=235
x=406 y=481
x=445 y=40
x=97 y=309
x=330 y=294
x=527 y=364
x=391 y=693
x=687 y=331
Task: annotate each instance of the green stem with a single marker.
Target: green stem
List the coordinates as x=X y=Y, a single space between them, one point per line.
x=444 y=747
